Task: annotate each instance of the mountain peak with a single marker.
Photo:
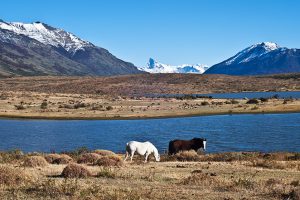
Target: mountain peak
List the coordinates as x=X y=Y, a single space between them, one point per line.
x=258 y=59
x=47 y=35
x=154 y=66
x=269 y=45
x=252 y=52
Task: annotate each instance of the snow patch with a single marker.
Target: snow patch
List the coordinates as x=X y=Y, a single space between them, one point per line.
x=47 y=35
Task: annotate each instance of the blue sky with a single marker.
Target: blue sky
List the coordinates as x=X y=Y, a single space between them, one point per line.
x=171 y=31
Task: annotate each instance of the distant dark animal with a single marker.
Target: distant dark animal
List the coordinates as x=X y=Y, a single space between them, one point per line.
x=185 y=145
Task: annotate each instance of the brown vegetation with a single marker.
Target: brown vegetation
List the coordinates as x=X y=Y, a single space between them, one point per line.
x=11 y=176
x=110 y=160
x=102 y=152
x=74 y=170
x=35 y=161
x=89 y=158
x=139 y=85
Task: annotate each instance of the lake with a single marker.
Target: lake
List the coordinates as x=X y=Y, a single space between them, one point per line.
x=247 y=132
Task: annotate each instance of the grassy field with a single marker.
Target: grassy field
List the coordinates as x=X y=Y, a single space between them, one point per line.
x=187 y=175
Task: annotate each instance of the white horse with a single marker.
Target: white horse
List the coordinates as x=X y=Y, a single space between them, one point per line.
x=142 y=148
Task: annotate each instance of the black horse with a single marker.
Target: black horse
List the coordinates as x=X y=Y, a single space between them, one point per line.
x=185 y=145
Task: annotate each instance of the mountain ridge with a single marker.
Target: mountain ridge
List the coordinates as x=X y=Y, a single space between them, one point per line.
x=260 y=59
x=40 y=49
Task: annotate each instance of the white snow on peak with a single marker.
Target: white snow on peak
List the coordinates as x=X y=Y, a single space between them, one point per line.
x=157 y=67
x=47 y=35
x=252 y=52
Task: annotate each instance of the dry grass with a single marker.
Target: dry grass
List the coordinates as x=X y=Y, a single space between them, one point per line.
x=237 y=178
x=35 y=161
x=74 y=170
x=89 y=158
x=10 y=176
x=110 y=160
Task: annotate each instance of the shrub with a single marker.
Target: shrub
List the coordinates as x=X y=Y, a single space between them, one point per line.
x=106 y=173
x=20 y=107
x=104 y=152
x=264 y=99
x=233 y=101
x=64 y=159
x=109 y=108
x=35 y=161
x=51 y=157
x=74 y=170
x=11 y=156
x=252 y=101
x=111 y=160
x=79 y=105
x=58 y=159
x=10 y=176
x=44 y=105
x=89 y=158
x=204 y=103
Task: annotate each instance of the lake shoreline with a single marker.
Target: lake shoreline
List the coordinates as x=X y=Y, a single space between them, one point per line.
x=19 y=117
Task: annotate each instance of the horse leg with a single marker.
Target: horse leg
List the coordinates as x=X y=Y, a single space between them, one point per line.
x=146 y=157
x=127 y=154
x=131 y=156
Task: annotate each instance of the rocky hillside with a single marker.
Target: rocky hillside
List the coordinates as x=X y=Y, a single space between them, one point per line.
x=39 y=49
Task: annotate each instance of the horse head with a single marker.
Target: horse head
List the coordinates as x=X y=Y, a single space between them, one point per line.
x=199 y=143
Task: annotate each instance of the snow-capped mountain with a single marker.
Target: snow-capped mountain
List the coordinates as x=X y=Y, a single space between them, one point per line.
x=154 y=66
x=261 y=58
x=40 y=49
x=47 y=35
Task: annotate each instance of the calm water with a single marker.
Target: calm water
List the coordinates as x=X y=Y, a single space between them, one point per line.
x=260 y=132
x=240 y=95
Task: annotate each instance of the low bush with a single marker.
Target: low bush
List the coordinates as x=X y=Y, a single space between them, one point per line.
x=109 y=108
x=74 y=170
x=44 y=105
x=89 y=158
x=204 y=103
x=20 y=107
x=106 y=172
x=187 y=156
x=63 y=159
x=104 y=152
x=110 y=161
x=35 y=161
x=51 y=157
x=252 y=101
x=11 y=156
